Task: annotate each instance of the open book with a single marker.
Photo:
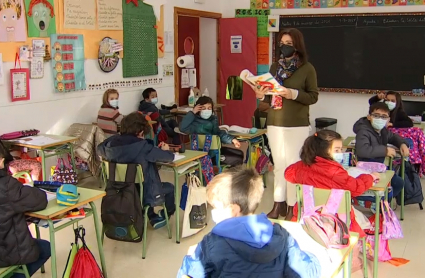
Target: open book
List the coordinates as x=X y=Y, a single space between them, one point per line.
x=235 y=128
x=266 y=80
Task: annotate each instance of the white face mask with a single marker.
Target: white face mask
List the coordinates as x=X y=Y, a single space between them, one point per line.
x=338 y=157
x=391 y=105
x=113 y=103
x=206 y=114
x=219 y=215
x=154 y=100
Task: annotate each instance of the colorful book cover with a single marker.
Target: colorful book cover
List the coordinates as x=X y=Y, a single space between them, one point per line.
x=73 y=214
x=272 y=4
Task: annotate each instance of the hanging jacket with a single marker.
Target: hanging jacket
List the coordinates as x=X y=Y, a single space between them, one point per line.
x=17 y=246
x=131 y=149
x=234 y=248
x=372 y=145
x=194 y=124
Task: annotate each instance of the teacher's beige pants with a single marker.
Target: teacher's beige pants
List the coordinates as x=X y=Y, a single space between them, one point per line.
x=285 y=144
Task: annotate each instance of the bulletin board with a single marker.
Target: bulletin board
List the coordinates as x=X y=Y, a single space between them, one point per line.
x=92 y=38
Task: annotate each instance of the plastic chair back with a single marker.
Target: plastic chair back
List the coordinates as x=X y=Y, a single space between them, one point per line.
x=215 y=143
x=121 y=170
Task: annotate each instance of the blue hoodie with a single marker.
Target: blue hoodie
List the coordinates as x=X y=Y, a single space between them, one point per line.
x=249 y=246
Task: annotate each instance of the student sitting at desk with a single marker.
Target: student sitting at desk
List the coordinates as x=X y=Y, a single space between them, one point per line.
x=131 y=147
x=243 y=244
x=18 y=247
x=109 y=117
x=398 y=118
x=148 y=107
x=372 y=138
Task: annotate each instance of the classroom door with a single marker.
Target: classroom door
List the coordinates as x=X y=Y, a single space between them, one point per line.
x=237 y=112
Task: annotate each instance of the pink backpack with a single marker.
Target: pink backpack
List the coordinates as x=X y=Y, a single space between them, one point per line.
x=262 y=164
x=322 y=223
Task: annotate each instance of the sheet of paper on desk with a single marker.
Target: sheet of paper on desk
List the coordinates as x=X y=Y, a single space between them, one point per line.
x=355 y=172
x=37 y=140
x=50 y=195
x=178 y=156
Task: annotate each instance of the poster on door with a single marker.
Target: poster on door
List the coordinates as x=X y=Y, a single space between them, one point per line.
x=68 y=62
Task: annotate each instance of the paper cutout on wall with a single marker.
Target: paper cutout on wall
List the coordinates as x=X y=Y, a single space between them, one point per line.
x=68 y=62
x=40 y=17
x=12 y=23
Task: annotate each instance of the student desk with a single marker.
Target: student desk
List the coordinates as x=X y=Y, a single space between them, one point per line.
x=379 y=190
x=87 y=196
x=254 y=138
x=189 y=157
x=59 y=145
x=181 y=111
x=339 y=257
x=421 y=125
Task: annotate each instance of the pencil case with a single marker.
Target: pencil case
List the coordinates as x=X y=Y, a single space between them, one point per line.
x=19 y=134
x=372 y=166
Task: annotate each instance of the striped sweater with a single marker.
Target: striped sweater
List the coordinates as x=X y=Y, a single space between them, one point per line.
x=108 y=120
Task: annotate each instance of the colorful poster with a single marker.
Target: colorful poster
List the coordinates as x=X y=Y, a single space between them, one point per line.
x=12 y=23
x=79 y=14
x=68 y=62
x=40 y=17
x=302 y=4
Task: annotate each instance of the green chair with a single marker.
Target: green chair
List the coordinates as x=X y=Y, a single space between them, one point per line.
x=25 y=175
x=7 y=272
x=121 y=170
x=321 y=197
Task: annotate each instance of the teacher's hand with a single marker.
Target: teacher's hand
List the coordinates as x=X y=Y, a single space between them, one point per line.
x=285 y=92
x=260 y=92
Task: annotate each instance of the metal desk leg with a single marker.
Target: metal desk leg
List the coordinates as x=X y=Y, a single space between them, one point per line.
x=37 y=234
x=98 y=230
x=52 y=249
x=177 y=203
x=346 y=268
x=71 y=152
x=249 y=154
x=43 y=165
x=201 y=178
x=376 y=251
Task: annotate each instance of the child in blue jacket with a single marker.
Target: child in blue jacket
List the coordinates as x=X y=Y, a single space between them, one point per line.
x=244 y=244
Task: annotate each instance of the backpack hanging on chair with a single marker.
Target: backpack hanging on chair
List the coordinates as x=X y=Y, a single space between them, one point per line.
x=206 y=163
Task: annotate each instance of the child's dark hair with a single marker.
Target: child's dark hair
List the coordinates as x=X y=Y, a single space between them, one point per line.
x=205 y=100
x=147 y=92
x=318 y=144
x=4 y=153
x=398 y=104
x=134 y=123
x=106 y=94
x=379 y=106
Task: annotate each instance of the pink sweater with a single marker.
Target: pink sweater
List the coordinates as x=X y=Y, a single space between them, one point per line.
x=108 y=120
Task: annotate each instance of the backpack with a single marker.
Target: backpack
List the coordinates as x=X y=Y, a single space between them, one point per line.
x=324 y=226
x=412 y=185
x=262 y=164
x=121 y=209
x=206 y=163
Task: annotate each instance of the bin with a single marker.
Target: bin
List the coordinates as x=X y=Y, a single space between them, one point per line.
x=326 y=123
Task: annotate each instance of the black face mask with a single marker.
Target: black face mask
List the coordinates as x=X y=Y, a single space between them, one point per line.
x=286 y=51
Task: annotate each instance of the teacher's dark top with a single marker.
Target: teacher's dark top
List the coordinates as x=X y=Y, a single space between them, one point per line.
x=295 y=113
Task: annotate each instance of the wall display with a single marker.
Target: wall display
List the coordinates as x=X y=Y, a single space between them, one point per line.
x=41 y=18
x=79 y=14
x=12 y=23
x=273 y=23
x=1 y=70
x=109 y=15
x=19 y=79
x=309 y=4
x=38 y=48
x=236 y=44
x=68 y=62
x=37 y=67
x=109 y=57
x=168 y=70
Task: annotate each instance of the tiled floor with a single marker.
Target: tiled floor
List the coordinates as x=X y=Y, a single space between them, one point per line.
x=164 y=256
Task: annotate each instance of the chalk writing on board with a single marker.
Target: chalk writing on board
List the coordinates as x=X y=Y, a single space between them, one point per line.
x=80 y=14
x=109 y=14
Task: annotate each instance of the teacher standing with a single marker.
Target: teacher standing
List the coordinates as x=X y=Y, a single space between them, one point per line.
x=288 y=123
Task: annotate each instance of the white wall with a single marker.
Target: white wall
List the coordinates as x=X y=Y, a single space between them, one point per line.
x=208 y=56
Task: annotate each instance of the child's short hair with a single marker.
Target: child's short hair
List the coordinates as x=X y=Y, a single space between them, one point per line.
x=204 y=100
x=379 y=106
x=147 y=92
x=134 y=123
x=237 y=186
x=106 y=95
x=318 y=144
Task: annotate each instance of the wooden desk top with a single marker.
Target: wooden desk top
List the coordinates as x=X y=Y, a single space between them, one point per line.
x=189 y=156
x=60 y=140
x=385 y=179
x=338 y=256
x=248 y=136
x=53 y=209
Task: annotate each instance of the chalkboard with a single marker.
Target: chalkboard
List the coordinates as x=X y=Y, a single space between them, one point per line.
x=364 y=52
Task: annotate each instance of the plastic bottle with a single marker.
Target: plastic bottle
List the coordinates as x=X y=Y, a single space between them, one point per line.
x=206 y=92
x=191 y=98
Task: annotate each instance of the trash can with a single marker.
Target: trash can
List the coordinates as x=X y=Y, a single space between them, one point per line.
x=326 y=123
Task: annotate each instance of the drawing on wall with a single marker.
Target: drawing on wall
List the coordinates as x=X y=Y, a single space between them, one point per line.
x=12 y=21
x=40 y=18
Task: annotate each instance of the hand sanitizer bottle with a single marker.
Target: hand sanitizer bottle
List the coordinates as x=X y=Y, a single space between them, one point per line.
x=191 y=98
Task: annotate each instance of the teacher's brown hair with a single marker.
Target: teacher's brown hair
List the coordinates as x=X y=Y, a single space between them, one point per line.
x=298 y=43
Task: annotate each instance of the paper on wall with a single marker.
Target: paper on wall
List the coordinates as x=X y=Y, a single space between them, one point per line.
x=185 y=79
x=192 y=78
x=37 y=68
x=109 y=14
x=79 y=14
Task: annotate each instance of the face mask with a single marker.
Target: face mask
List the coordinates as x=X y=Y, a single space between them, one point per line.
x=206 y=114
x=114 y=103
x=154 y=100
x=391 y=105
x=287 y=51
x=219 y=215
x=338 y=157
x=379 y=124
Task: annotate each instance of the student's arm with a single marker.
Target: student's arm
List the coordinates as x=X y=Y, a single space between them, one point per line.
x=224 y=136
x=155 y=155
x=364 y=149
x=196 y=264
x=402 y=120
x=357 y=186
x=117 y=117
x=374 y=99
x=306 y=265
x=311 y=93
x=25 y=198
x=186 y=125
x=395 y=139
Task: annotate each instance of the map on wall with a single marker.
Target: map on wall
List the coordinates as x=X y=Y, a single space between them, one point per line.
x=68 y=62
x=305 y=4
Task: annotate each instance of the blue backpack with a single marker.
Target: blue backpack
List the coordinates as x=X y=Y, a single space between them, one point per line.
x=67 y=195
